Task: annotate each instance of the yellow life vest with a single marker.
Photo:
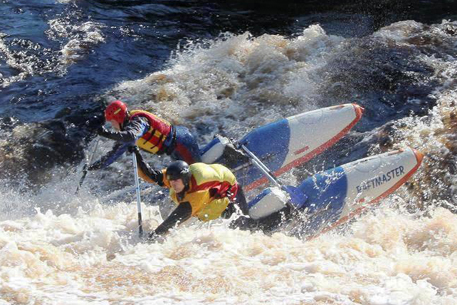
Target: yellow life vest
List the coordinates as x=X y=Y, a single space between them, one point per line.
x=207 y=188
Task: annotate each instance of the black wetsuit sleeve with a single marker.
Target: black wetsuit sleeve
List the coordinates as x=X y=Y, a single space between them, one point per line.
x=117 y=151
x=154 y=175
x=133 y=130
x=180 y=214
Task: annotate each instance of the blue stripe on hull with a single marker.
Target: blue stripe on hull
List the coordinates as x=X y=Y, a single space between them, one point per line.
x=259 y=197
x=326 y=194
x=273 y=155
x=208 y=146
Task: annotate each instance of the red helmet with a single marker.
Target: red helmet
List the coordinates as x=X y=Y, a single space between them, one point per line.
x=116 y=111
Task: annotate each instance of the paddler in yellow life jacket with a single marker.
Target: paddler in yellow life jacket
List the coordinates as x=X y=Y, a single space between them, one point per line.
x=206 y=191
x=147 y=131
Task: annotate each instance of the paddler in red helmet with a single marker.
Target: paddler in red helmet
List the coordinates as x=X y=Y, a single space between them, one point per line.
x=147 y=131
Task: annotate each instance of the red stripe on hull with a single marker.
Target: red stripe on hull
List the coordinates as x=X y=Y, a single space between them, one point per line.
x=358 y=114
x=419 y=157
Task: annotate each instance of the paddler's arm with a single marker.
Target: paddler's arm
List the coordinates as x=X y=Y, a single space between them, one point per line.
x=113 y=155
x=133 y=130
x=179 y=215
x=145 y=171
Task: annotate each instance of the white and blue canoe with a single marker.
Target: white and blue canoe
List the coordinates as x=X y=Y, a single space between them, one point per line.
x=287 y=143
x=337 y=195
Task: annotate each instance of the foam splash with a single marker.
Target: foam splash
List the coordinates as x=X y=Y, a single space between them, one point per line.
x=82 y=38
x=387 y=257
x=26 y=58
x=434 y=134
x=238 y=83
x=16 y=61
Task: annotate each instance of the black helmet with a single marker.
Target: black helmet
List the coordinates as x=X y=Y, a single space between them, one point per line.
x=179 y=170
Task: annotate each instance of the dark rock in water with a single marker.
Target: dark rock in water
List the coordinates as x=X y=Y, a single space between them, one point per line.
x=33 y=149
x=385 y=135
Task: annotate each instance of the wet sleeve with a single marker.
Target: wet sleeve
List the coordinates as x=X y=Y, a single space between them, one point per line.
x=146 y=170
x=133 y=130
x=180 y=214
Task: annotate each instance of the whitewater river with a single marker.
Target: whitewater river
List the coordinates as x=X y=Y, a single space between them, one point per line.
x=220 y=69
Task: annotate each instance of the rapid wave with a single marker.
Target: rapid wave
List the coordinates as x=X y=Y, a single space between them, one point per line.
x=388 y=257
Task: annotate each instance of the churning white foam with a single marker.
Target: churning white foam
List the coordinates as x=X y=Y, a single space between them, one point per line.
x=387 y=257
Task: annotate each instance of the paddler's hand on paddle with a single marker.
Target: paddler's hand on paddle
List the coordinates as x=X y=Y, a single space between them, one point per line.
x=95 y=166
x=95 y=122
x=133 y=149
x=102 y=131
x=153 y=237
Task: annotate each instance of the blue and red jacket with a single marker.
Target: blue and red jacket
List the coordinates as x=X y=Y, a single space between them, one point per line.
x=147 y=131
